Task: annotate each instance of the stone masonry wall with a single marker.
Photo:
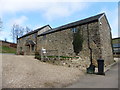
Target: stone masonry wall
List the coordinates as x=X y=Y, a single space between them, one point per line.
x=106 y=45
x=62 y=42
x=22 y=42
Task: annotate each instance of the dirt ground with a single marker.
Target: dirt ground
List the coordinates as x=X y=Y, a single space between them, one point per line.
x=27 y=72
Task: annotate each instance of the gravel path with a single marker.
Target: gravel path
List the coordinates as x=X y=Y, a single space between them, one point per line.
x=27 y=72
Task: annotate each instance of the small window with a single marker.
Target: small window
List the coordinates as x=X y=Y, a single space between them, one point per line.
x=44 y=37
x=34 y=35
x=32 y=47
x=26 y=37
x=74 y=30
x=23 y=39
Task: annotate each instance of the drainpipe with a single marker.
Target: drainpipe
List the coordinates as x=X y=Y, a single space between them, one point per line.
x=91 y=68
x=90 y=49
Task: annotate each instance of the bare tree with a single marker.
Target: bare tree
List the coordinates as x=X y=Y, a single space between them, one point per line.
x=21 y=31
x=17 y=31
x=27 y=29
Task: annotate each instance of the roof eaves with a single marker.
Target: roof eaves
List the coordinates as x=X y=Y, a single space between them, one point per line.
x=35 y=31
x=73 y=24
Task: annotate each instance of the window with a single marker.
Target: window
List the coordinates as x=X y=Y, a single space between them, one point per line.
x=44 y=37
x=34 y=35
x=74 y=30
x=32 y=47
x=26 y=37
x=23 y=39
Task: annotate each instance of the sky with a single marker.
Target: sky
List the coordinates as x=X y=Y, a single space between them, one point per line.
x=37 y=13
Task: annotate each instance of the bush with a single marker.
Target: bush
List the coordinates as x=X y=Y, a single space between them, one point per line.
x=38 y=57
x=37 y=53
x=21 y=53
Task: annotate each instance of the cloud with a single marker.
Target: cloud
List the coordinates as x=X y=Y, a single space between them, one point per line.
x=50 y=9
x=12 y=6
x=5 y=34
x=63 y=9
x=21 y=20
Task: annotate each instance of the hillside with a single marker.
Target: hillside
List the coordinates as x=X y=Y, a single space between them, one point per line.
x=7 y=47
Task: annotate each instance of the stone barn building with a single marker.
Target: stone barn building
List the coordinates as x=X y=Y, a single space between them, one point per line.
x=90 y=39
x=27 y=44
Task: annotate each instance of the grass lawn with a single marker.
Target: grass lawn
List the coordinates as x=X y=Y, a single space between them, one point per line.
x=6 y=49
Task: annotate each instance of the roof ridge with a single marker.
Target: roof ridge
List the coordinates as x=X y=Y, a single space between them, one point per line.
x=75 y=23
x=36 y=30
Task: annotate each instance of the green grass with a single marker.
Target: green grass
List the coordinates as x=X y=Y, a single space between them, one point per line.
x=6 y=49
x=116 y=41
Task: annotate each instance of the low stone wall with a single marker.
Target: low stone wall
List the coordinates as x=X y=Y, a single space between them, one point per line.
x=76 y=62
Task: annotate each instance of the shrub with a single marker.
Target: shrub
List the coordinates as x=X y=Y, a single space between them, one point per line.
x=37 y=53
x=38 y=57
x=77 y=42
x=21 y=53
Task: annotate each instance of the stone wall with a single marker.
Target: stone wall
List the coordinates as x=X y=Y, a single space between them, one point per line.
x=33 y=37
x=105 y=40
x=62 y=41
x=22 y=41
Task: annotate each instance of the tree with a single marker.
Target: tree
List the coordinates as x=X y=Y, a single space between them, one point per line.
x=27 y=29
x=17 y=31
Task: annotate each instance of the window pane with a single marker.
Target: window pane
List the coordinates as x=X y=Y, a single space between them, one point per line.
x=32 y=47
x=74 y=30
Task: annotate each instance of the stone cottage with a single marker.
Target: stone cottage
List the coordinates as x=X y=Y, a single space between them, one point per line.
x=27 y=44
x=90 y=39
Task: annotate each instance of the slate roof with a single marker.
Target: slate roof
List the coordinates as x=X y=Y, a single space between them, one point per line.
x=73 y=24
x=35 y=31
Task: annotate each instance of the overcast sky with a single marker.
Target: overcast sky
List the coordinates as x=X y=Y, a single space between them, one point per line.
x=37 y=13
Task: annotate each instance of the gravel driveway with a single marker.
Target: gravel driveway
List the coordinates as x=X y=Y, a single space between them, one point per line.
x=27 y=72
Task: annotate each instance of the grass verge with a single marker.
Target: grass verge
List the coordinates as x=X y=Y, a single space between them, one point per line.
x=7 y=49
